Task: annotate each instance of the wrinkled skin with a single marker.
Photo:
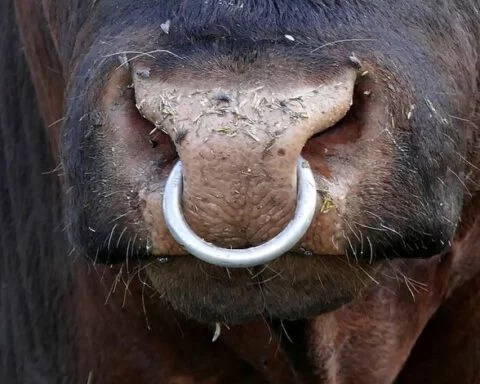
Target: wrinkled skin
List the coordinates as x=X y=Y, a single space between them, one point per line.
x=381 y=102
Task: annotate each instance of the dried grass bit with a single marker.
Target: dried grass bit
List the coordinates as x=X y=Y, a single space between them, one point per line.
x=355 y=60
x=122 y=58
x=410 y=111
x=225 y=130
x=327 y=202
x=299 y=115
x=327 y=205
x=165 y=27
x=218 y=331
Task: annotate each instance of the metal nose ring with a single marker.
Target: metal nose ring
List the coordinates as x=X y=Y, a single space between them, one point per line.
x=240 y=258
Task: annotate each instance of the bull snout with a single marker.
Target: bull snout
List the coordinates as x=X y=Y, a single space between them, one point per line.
x=242 y=185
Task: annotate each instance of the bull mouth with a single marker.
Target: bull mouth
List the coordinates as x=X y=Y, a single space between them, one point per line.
x=292 y=287
x=248 y=257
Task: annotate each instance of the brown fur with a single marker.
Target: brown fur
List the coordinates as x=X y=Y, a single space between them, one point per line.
x=417 y=322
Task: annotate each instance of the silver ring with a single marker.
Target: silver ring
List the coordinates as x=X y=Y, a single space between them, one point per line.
x=240 y=258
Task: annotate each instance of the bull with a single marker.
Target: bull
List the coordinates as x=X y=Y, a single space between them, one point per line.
x=239 y=191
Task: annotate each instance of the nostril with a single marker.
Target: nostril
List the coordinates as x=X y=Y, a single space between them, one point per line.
x=129 y=130
x=156 y=137
x=152 y=134
x=346 y=130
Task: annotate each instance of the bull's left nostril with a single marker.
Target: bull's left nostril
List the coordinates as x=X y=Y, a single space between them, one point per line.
x=240 y=258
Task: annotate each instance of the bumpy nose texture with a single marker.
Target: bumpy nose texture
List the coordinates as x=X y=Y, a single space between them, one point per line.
x=239 y=145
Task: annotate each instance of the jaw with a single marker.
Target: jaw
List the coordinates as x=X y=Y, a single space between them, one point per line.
x=295 y=286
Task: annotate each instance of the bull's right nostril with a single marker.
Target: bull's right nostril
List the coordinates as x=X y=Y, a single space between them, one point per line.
x=240 y=258
x=364 y=113
x=348 y=127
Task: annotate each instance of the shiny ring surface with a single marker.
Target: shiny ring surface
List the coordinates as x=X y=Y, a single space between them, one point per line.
x=240 y=258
